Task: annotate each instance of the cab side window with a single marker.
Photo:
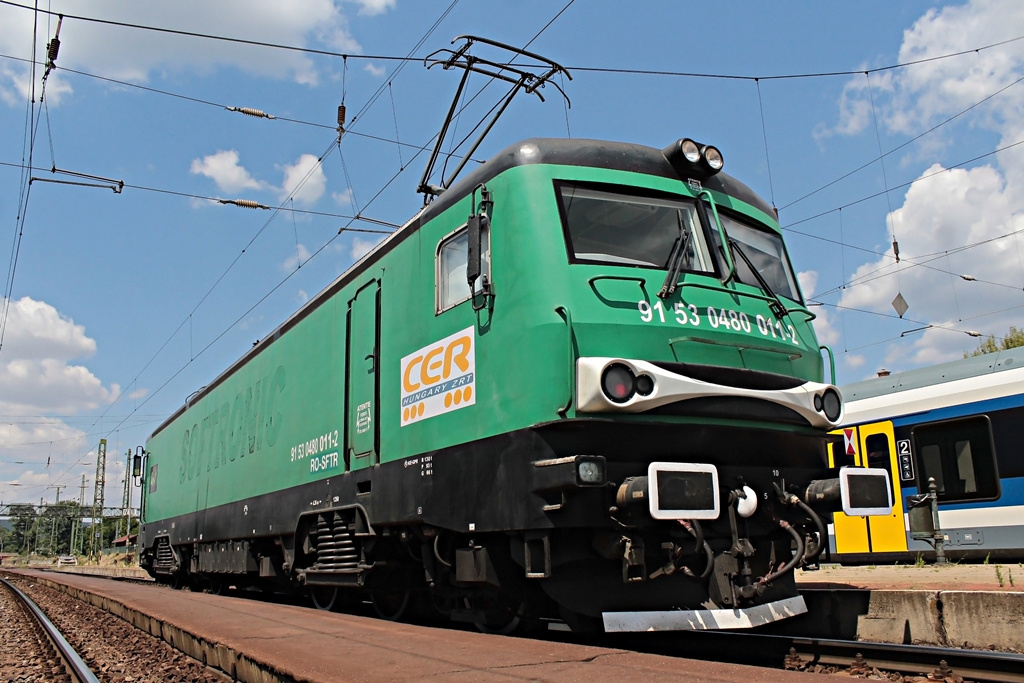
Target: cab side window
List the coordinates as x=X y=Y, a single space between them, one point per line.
x=452 y=256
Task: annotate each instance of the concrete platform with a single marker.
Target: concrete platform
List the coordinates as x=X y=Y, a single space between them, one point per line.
x=973 y=606
x=118 y=572
x=1007 y=578
x=257 y=641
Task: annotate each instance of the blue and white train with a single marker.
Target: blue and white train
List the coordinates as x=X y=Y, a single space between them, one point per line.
x=961 y=423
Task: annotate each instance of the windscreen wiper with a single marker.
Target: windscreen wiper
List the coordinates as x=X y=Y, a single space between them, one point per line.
x=675 y=259
x=776 y=305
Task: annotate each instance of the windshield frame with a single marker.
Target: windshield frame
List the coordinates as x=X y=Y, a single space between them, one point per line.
x=791 y=291
x=702 y=247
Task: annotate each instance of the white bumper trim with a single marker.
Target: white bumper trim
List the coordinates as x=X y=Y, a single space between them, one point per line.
x=704 y=619
x=672 y=388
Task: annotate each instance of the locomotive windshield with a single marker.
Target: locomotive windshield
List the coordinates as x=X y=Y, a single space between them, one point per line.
x=766 y=253
x=606 y=226
x=623 y=229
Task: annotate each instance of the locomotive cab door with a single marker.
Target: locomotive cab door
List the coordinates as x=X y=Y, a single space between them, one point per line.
x=871 y=445
x=362 y=377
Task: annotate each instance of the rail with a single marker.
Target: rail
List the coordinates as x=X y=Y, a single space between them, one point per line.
x=817 y=654
x=75 y=665
x=975 y=665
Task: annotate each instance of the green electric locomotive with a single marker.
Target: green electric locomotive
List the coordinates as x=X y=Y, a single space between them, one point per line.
x=581 y=384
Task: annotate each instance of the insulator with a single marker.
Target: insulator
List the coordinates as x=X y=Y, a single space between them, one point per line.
x=249 y=111
x=341 y=116
x=52 y=48
x=244 y=203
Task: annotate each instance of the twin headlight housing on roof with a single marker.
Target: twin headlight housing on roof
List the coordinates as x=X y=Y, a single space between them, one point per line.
x=691 y=158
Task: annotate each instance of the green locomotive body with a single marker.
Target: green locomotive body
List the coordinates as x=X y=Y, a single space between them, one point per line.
x=581 y=383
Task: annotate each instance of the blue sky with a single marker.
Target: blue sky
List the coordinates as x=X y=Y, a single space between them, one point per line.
x=123 y=304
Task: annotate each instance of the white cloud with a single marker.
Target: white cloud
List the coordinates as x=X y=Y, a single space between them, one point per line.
x=132 y=54
x=911 y=100
x=343 y=198
x=854 y=109
x=361 y=247
x=15 y=87
x=939 y=88
x=297 y=259
x=372 y=7
x=37 y=381
x=374 y=70
x=36 y=330
x=36 y=376
x=952 y=222
x=223 y=168
x=304 y=180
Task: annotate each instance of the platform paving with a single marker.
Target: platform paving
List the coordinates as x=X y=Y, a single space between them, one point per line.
x=256 y=641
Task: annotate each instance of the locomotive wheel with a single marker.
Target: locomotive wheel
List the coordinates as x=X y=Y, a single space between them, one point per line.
x=390 y=604
x=324 y=597
x=504 y=615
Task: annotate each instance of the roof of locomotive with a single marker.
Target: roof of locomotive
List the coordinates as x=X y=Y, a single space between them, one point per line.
x=622 y=156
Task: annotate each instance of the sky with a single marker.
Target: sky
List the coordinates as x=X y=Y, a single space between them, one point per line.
x=865 y=123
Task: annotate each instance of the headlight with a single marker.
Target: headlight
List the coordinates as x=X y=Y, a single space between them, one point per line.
x=618 y=383
x=690 y=150
x=713 y=158
x=829 y=403
x=590 y=472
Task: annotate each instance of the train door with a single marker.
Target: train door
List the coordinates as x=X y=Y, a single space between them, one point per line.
x=878 y=449
x=363 y=390
x=871 y=445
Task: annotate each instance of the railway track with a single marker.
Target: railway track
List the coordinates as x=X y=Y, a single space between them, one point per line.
x=938 y=663
x=114 y=649
x=826 y=656
x=35 y=643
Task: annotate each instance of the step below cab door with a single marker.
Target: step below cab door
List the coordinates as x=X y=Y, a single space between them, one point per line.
x=870 y=445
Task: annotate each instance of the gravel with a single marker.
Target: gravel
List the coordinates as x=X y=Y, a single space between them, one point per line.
x=114 y=649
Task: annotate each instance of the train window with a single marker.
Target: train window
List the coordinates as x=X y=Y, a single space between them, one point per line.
x=766 y=252
x=879 y=455
x=878 y=450
x=959 y=455
x=931 y=463
x=452 y=287
x=837 y=446
x=965 y=466
x=603 y=226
